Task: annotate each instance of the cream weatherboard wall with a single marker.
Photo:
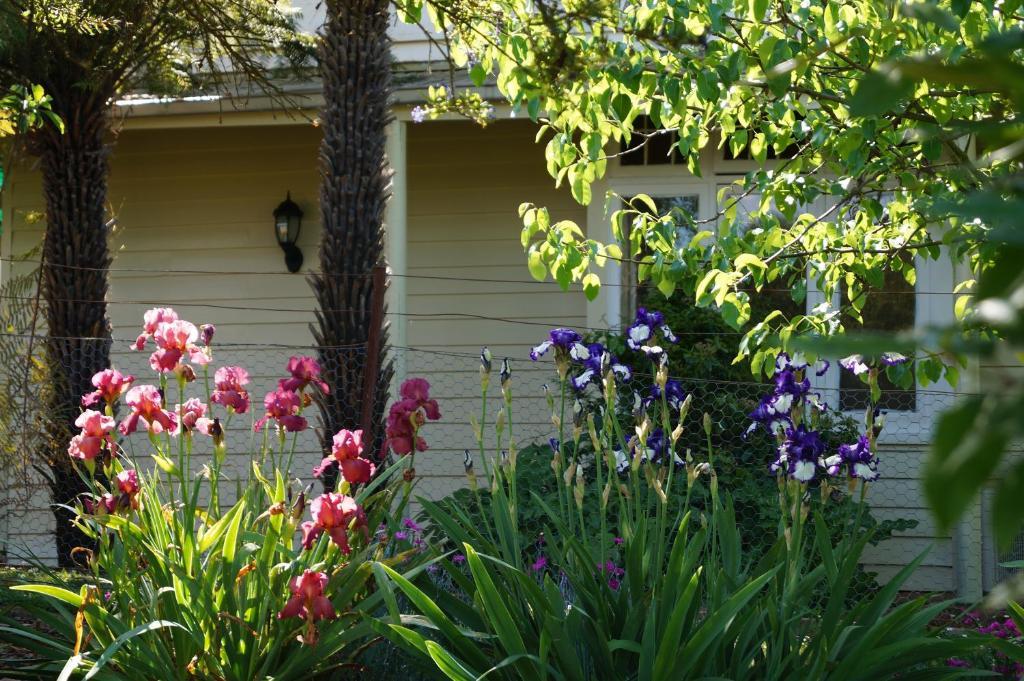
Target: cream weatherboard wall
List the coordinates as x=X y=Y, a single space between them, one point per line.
x=199 y=200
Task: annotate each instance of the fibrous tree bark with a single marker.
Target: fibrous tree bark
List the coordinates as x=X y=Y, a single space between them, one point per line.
x=73 y=164
x=355 y=63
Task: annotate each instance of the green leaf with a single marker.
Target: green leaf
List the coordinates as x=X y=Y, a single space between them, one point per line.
x=758 y=8
x=748 y=261
x=166 y=465
x=880 y=91
x=447 y=663
x=930 y=13
x=538 y=270
x=231 y=538
x=112 y=649
x=494 y=604
x=1008 y=506
x=591 y=286
x=964 y=453
x=581 y=190
x=69 y=597
x=212 y=535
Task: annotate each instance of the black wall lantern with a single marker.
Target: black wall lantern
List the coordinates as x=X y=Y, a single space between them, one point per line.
x=287 y=223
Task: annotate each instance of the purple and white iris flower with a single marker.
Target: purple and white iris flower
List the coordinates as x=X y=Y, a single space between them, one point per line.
x=857 y=459
x=799 y=454
x=565 y=341
x=797 y=362
x=891 y=359
x=644 y=326
x=858 y=365
x=595 y=364
x=765 y=414
x=854 y=364
x=674 y=394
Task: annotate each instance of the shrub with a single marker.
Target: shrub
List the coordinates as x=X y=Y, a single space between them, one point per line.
x=178 y=584
x=663 y=589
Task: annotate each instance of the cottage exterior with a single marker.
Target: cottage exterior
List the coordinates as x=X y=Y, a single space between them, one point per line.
x=193 y=187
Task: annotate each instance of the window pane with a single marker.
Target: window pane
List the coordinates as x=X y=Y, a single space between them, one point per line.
x=677 y=209
x=647 y=149
x=777 y=295
x=659 y=148
x=889 y=309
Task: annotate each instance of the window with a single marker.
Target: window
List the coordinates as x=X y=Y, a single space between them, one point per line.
x=891 y=309
x=744 y=153
x=651 y=146
x=776 y=295
x=676 y=208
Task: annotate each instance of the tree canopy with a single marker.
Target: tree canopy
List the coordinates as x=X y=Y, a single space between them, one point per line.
x=895 y=136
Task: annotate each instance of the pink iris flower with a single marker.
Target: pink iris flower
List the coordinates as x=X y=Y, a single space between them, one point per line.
x=305 y=371
x=335 y=514
x=193 y=416
x=175 y=340
x=110 y=384
x=103 y=505
x=347 y=452
x=147 y=404
x=347 y=444
x=128 y=482
x=152 y=320
x=283 y=406
x=308 y=600
x=358 y=471
x=418 y=390
x=96 y=429
x=407 y=415
x=230 y=392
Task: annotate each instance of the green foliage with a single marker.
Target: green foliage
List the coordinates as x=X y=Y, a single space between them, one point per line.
x=111 y=49
x=178 y=591
x=880 y=152
x=905 y=122
x=971 y=438
x=680 y=596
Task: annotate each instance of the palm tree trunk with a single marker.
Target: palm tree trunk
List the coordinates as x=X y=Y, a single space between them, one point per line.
x=355 y=63
x=75 y=261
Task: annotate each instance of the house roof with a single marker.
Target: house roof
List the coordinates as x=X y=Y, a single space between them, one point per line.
x=299 y=97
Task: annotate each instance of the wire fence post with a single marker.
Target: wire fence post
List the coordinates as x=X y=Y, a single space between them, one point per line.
x=371 y=368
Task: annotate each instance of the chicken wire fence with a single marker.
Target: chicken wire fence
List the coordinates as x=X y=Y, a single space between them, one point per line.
x=27 y=519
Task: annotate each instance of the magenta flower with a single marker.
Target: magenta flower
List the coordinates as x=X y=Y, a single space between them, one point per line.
x=110 y=384
x=230 y=392
x=407 y=415
x=193 y=416
x=146 y=403
x=337 y=515
x=539 y=564
x=206 y=332
x=96 y=429
x=305 y=371
x=347 y=444
x=103 y=505
x=283 y=406
x=308 y=600
x=127 y=482
x=357 y=471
